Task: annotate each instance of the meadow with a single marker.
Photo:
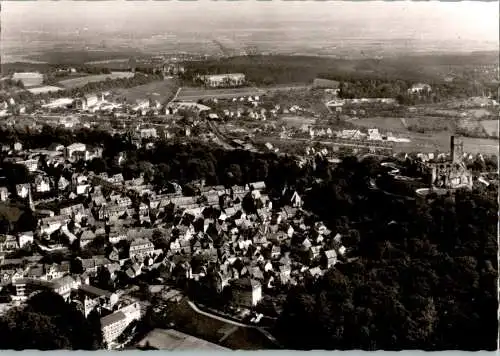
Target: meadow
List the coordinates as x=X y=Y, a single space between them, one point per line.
x=227 y=93
x=161 y=90
x=82 y=81
x=491 y=127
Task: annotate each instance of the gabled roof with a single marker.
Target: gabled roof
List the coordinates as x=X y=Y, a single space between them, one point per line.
x=88 y=289
x=331 y=254
x=246 y=283
x=112 y=319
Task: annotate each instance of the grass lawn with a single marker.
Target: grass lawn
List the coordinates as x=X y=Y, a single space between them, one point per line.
x=491 y=127
x=383 y=123
x=161 y=90
x=81 y=81
x=201 y=93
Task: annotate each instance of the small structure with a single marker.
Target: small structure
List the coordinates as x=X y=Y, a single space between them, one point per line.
x=224 y=80
x=246 y=292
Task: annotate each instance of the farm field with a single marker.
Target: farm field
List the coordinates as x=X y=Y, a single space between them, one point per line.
x=383 y=123
x=187 y=94
x=297 y=121
x=161 y=90
x=491 y=127
x=29 y=79
x=81 y=81
x=44 y=89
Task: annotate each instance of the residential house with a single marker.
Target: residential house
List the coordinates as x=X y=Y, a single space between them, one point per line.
x=42 y=184
x=92 y=298
x=141 y=247
x=259 y=186
x=75 y=147
x=117 y=236
x=86 y=237
x=73 y=210
x=8 y=243
x=23 y=190
x=315 y=272
x=284 y=273
x=25 y=238
x=296 y=200
x=56 y=271
x=30 y=164
x=329 y=258
x=18 y=146
x=52 y=223
x=419 y=88
x=62 y=184
x=134 y=270
x=314 y=253
x=4 y=193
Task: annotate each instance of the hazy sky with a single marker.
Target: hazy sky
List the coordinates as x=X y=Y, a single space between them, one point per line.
x=447 y=21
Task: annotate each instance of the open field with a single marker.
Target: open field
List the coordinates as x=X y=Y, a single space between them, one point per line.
x=491 y=127
x=81 y=81
x=161 y=90
x=383 y=123
x=187 y=94
x=44 y=89
x=297 y=121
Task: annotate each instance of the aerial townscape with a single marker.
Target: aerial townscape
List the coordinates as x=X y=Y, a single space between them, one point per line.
x=257 y=185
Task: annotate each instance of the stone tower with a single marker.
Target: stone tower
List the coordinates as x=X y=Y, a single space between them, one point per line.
x=456 y=150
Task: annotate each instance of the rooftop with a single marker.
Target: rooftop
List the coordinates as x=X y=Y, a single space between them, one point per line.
x=94 y=290
x=112 y=318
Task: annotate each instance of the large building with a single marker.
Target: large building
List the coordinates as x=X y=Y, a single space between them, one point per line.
x=224 y=80
x=451 y=173
x=25 y=287
x=113 y=325
x=141 y=247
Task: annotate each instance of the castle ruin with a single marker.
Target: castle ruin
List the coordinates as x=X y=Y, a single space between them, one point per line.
x=451 y=173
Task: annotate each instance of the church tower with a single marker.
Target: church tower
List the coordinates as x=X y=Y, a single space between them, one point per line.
x=456 y=150
x=30 y=200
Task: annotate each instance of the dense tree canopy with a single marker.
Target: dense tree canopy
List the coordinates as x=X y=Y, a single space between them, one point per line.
x=425 y=277
x=47 y=322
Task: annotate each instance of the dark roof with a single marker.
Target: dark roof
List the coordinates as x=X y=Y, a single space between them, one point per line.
x=112 y=318
x=94 y=290
x=246 y=283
